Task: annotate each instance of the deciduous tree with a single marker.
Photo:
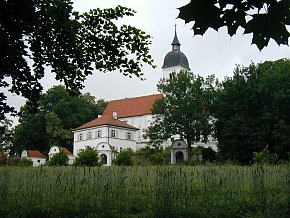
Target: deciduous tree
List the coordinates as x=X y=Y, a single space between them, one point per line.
x=185 y=109
x=253 y=111
x=35 y=34
x=58 y=113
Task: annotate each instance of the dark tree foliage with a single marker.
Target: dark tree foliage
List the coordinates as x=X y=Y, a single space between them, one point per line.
x=35 y=34
x=253 y=111
x=58 y=113
x=185 y=109
x=265 y=19
x=208 y=154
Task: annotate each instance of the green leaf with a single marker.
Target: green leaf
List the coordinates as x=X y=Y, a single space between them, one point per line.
x=204 y=14
x=264 y=27
x=280 y=11
x=234 y=19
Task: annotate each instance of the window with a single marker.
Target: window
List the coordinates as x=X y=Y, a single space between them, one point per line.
x=81 y=137
x=113 y=133
x=129 y=136
x=89 y=135
x=99 y=133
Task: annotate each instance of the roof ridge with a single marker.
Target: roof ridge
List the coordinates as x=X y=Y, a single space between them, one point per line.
x=105 y=120
x=126 y=98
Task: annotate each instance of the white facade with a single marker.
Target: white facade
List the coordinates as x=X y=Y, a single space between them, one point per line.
x=118 y=137
x=36 y=161
x=142 y=123
x=55 y=149
x=212 y=142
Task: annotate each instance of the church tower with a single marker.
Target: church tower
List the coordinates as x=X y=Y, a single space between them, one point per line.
x=174 y=60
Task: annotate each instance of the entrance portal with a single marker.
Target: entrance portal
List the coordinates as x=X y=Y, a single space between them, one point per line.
x=104 y=158
x=179 y=157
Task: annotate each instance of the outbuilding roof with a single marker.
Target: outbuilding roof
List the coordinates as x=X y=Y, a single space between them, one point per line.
x=131 y=107
x=105 y=120
x=65 y=150
x=34 y=153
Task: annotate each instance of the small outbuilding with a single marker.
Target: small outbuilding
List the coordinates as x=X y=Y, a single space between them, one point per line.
x=37 y=158
x=55 y=149
x=179 y=151
x=106 y=153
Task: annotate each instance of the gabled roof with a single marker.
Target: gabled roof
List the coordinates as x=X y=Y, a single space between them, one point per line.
x=105 y=120
x=131 y=107
x=65 y=150
x=31 y=153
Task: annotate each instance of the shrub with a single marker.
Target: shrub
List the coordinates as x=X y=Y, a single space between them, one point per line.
x=87 y=157
x=124 y=158
x=197 y=150
x=193 y=162
x=152 y=156
x=59 y=159
x=265 y=156
x=208 y=154
x=24 y=162
x=14 y=161
x=157 y=158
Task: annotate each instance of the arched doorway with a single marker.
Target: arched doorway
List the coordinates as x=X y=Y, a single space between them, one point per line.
x=104 y=158
x=179 y=156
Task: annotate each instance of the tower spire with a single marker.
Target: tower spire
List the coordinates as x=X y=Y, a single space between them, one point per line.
x=175 y=43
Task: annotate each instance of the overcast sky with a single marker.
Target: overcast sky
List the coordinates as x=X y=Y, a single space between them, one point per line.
x=214 y=53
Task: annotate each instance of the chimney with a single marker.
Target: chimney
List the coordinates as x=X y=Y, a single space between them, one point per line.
x=115 y=115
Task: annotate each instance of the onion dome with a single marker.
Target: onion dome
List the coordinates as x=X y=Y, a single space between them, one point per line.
x=175 y=57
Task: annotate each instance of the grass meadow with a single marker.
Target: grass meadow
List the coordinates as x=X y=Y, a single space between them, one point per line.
x=166 y=191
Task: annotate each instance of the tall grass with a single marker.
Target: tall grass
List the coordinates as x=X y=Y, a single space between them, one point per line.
x=167 y=191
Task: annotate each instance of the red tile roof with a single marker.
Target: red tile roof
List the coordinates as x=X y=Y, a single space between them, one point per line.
x=31 y=153
x=106 y=120
x=131 y=107
x=65 y=150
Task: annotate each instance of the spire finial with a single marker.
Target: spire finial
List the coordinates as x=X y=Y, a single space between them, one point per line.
x=175 y=27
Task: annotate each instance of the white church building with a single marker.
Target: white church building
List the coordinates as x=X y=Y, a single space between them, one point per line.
x=124 y=121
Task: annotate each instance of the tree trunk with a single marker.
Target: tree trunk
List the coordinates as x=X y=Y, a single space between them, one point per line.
x=189 y=148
